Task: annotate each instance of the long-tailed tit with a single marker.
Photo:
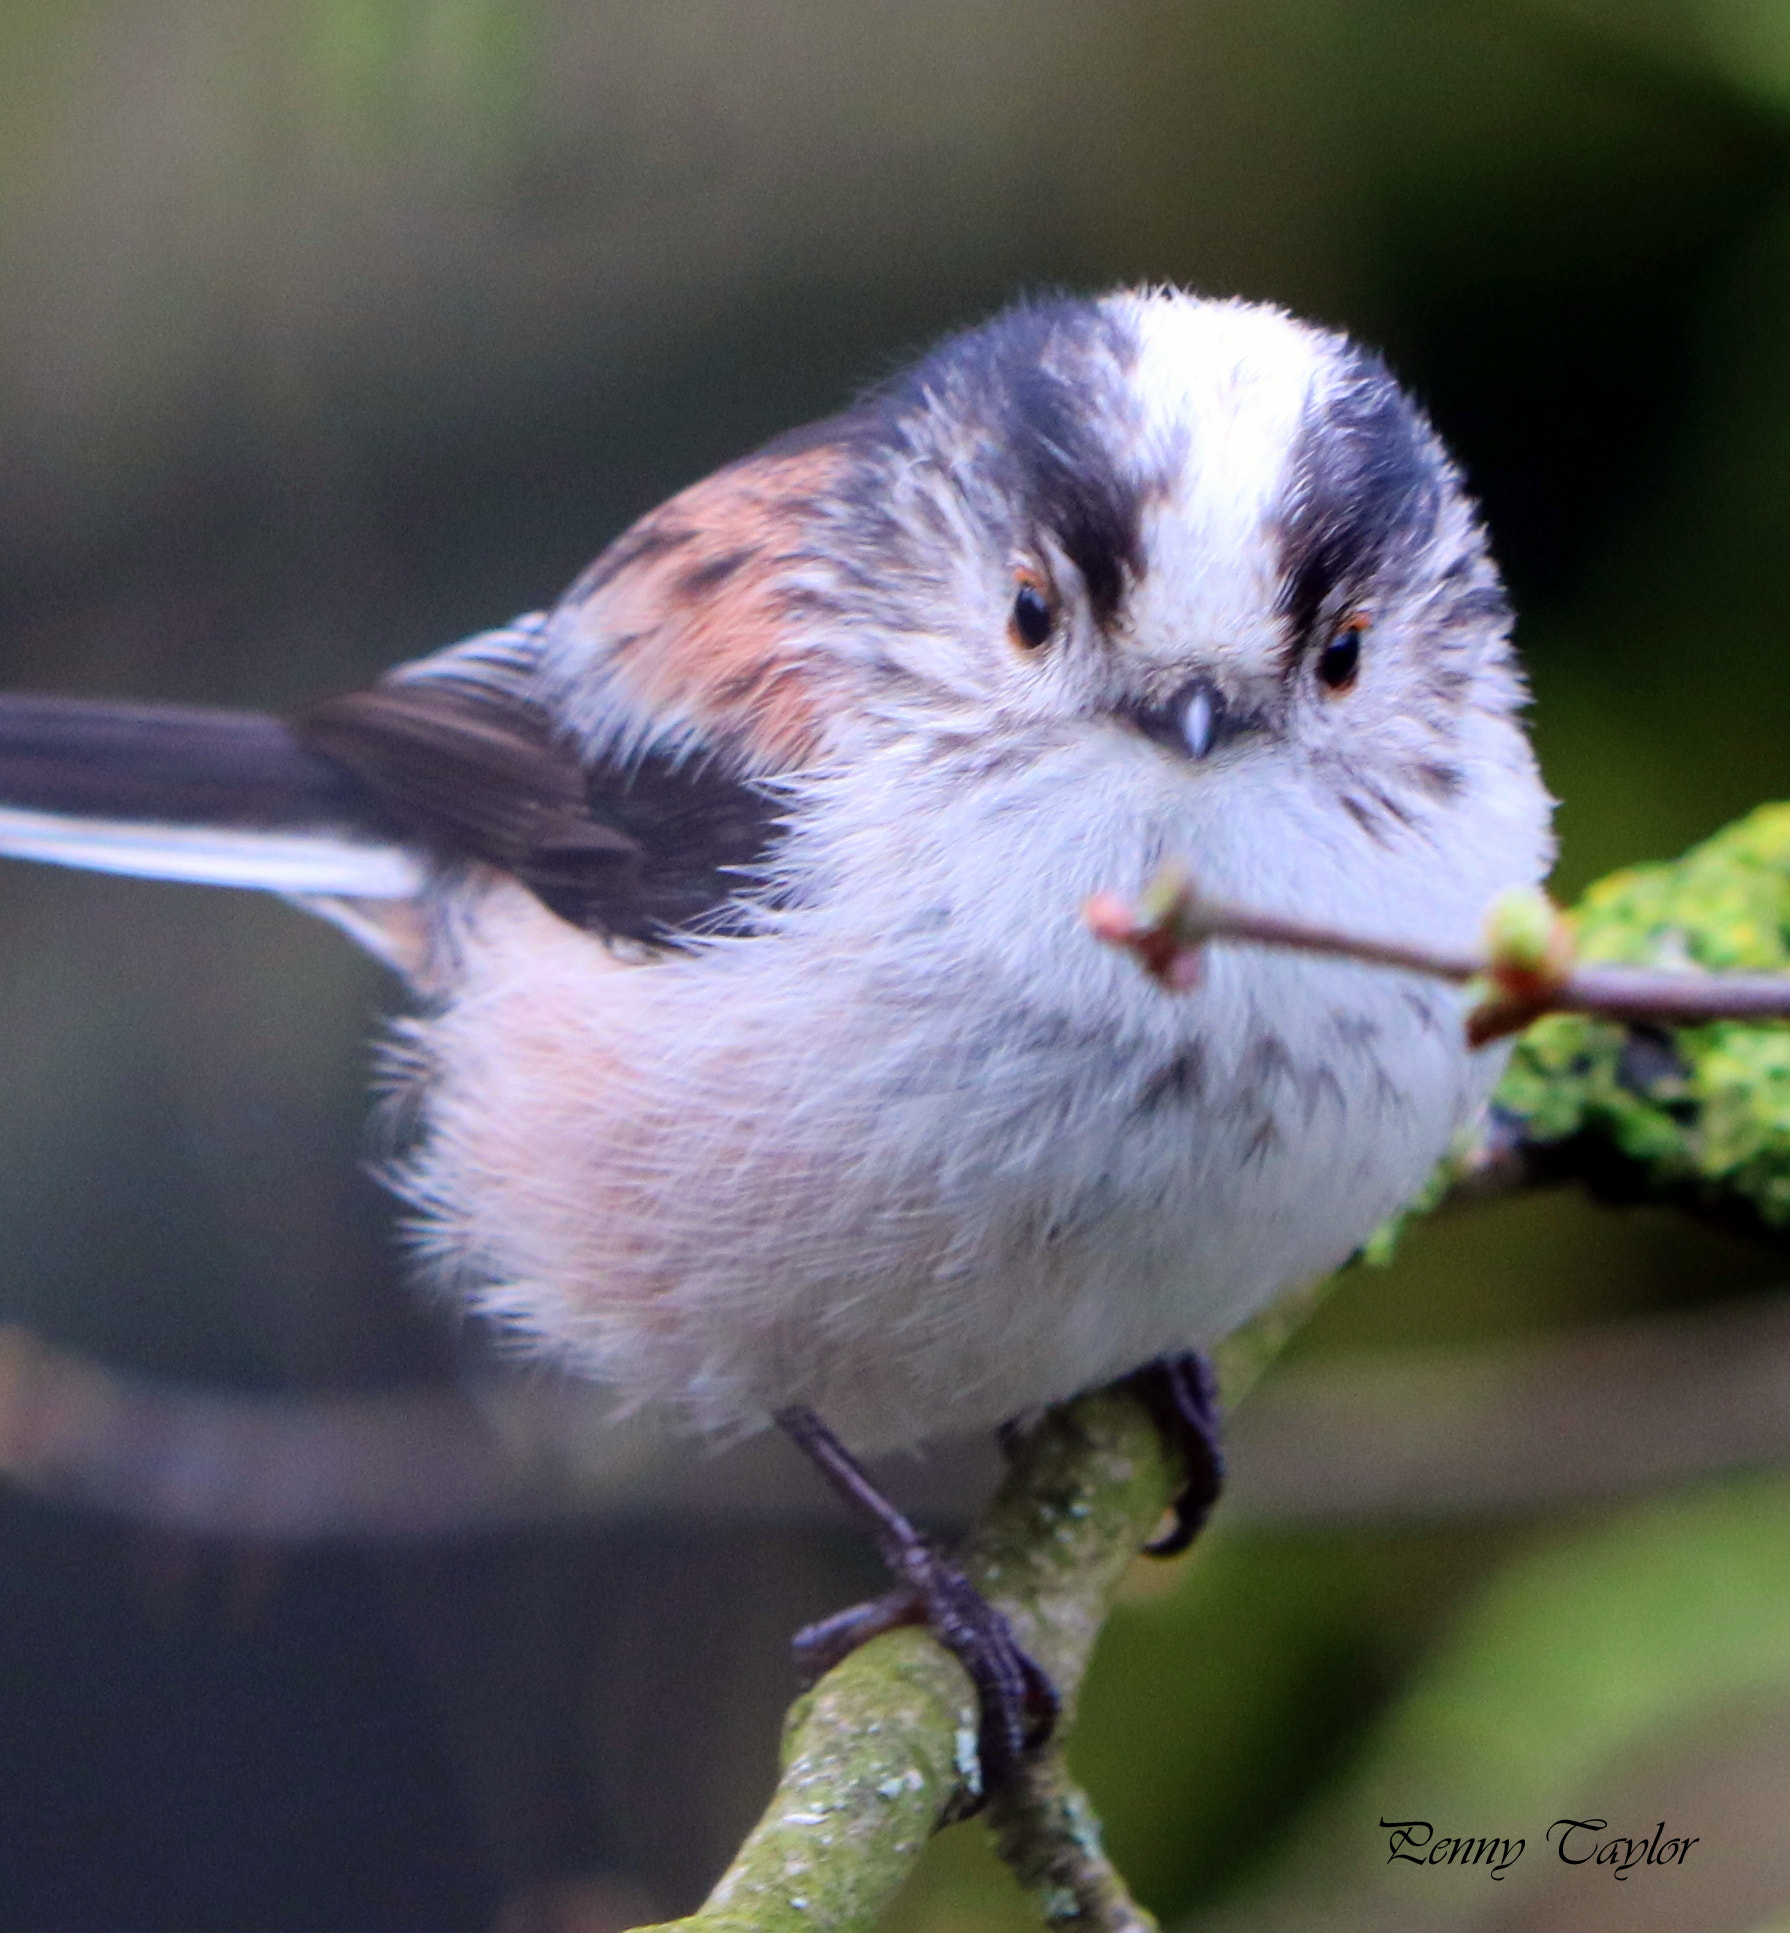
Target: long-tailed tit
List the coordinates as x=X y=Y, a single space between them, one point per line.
x=765 y=1066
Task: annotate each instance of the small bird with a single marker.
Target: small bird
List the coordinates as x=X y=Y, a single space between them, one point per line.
x=764 y=1065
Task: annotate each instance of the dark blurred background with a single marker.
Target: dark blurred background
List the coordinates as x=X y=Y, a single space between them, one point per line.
x=333 y=329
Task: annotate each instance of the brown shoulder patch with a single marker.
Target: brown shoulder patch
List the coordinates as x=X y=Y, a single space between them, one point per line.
x=690 y=609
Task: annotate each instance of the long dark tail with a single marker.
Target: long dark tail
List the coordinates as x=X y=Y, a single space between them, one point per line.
x=225 y=798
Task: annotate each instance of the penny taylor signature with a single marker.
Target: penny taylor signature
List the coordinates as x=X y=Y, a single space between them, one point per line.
x=1416 y=1842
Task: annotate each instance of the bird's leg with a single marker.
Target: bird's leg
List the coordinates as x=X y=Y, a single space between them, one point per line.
x=1017 y=1700
x=1181 y=1392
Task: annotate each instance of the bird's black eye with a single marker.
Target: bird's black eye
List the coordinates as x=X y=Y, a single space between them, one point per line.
x=1031 y=621
x=1340 y=659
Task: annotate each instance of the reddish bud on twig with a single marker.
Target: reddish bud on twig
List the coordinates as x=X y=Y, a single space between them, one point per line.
x=1530 y=958
x=1155 y=930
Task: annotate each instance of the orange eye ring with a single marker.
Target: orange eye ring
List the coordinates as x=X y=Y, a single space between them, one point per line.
x=1033 y=617
x=1339 y=663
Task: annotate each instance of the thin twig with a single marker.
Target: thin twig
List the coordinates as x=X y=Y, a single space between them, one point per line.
x=1403 y=1435
x=508 y=1448
x=1613 y=1409
x=1527 y=968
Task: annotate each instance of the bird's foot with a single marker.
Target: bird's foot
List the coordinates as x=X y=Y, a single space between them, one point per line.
x=1182 y=1394
x=1015 y=1698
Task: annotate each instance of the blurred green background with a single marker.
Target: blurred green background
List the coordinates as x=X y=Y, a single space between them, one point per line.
x=333 y=329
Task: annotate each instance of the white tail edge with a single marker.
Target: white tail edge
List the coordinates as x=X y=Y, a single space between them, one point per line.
x=264 y=860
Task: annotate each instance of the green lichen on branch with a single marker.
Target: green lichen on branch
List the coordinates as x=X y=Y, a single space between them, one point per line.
x=1701 y=1115
x=883 y=1750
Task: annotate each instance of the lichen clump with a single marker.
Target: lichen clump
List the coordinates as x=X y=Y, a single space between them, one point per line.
x=1703 y=1112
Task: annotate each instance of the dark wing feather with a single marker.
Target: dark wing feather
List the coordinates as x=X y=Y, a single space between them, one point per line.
x=470 y=766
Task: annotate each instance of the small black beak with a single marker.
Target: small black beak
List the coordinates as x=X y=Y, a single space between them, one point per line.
x=1195 y=721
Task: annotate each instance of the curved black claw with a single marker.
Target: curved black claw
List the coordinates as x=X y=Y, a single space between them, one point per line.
x=1014 y=1696
x=1017 y=1702
x=1182 y=1394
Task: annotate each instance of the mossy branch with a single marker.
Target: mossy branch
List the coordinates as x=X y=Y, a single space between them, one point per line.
x=882 y=1752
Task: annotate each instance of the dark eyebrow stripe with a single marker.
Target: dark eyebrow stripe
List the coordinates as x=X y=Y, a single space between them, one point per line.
x=1364 y=486
x=1035 y=381
x=1073 y=489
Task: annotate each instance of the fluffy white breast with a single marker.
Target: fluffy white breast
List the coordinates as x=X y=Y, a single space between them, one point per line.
x=928 y=1155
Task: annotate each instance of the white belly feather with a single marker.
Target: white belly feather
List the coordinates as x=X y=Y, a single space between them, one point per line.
x=923 y=1157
